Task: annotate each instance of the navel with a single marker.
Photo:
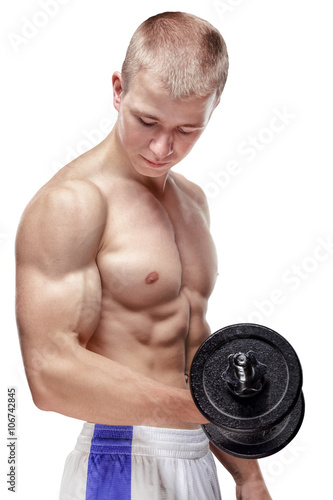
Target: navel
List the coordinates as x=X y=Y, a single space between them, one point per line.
x=152 y=278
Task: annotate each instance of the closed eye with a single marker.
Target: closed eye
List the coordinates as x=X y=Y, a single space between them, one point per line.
x=151 y=124
x=185 y=132
x=146 y=124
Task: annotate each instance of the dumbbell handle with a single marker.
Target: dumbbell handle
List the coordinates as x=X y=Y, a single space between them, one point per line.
x=245 y=374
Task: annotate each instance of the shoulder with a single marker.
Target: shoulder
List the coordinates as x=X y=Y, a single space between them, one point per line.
x=74 y=199
x=193 y=191
x=63 y=214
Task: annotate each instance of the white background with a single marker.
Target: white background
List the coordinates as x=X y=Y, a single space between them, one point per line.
x=271 y=215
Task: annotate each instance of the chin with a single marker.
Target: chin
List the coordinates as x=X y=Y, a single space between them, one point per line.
x=153 y=175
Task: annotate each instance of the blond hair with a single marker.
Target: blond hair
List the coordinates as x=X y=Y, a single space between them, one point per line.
x=185 y=51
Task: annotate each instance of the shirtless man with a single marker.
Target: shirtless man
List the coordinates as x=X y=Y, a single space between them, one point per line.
x=115 y=265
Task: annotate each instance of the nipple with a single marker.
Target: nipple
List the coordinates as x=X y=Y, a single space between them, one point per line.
x=152 y=278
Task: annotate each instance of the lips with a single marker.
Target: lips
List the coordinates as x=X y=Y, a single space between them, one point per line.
x=154 y=164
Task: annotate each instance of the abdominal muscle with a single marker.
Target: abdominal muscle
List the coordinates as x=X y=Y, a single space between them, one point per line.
x=153 y=343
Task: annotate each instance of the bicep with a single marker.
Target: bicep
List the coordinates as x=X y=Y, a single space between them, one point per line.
x=58 y=292
x=50 y=307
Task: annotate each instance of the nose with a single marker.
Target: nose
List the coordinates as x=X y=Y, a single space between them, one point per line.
x=161 y=146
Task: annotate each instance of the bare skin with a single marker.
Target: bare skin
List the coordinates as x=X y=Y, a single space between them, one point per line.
x=115 y=266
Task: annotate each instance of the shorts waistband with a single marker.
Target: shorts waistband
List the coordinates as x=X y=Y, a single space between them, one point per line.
x=142 y=440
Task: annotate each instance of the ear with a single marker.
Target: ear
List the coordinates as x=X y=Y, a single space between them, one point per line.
x=214 y=107
x=117 y=84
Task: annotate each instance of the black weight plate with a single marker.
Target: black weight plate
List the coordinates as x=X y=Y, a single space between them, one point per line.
x=258 y=444
x=282 y=387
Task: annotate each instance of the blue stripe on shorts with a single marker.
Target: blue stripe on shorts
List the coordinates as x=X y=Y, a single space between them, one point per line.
x=110 y=463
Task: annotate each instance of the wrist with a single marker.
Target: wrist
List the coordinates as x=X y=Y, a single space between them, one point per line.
x=242 y=470
x=249 y=472
x=253 y=489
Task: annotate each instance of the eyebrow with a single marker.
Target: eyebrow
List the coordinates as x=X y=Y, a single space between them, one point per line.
x=146 y=115
x=151 y=117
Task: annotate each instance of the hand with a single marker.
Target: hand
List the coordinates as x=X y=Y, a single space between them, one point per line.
x=252 y=490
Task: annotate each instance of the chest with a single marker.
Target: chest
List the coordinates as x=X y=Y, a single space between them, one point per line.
x=153 y=249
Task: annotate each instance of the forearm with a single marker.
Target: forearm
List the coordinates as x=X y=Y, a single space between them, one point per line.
x=249 y=481
x=90 y=387
x=241 y=469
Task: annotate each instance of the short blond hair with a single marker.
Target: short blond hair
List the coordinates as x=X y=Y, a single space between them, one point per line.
x=186 y=52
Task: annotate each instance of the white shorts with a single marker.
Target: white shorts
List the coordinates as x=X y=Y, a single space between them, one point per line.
x=140 y=463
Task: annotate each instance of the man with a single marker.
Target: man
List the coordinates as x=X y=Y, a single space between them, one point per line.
x=115 y=265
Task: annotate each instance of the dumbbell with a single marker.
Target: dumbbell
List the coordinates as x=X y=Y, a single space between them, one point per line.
x=246 y=379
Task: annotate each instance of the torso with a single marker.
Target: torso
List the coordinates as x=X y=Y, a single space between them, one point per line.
x=158 y=266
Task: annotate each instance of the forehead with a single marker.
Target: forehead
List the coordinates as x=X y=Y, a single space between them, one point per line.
x=148 y=96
